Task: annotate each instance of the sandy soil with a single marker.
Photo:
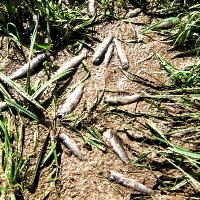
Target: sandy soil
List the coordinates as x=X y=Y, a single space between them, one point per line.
x=90 y=178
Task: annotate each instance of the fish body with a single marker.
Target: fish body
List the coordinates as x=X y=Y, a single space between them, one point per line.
x=23 y=70
x=108 y=55
x=3 y=105
x=71 y=102
x=102 y=49
x=165 y=25
x=91 y=8
x=117 y=147
x=123 y=100
x=135 y=12
x=121 y=54
x=70 y=145
x=128 y=182
x=134 y=32
x=74 y=62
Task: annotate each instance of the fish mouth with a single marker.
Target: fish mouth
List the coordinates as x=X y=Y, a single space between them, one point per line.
x=59 y=115
x=97 y=61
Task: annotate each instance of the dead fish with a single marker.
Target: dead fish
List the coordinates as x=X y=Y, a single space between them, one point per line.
x=166 y=24
x=128 y=182
x=33 y=64
x=134 y=12
x=134 y=32
x=3 y=106
x=121 y=54
x=117 y=147
x=101 y=50
x=74 y=62
x=91 y=8
x=169 y=197
x=123 y=100
x=108 y=55
x=72 y=101
x=70 y=145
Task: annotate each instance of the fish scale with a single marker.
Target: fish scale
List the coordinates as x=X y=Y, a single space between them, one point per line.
x=102 y=49
x=121 y=54
x=71 y=102
x=129 y=182
x=70 y=145
x=117 y=147
x=23 y=70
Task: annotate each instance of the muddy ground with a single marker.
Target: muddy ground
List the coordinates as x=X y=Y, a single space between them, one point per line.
x=90 y=178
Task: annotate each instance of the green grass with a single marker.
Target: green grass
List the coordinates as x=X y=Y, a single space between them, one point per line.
x=13 y=164
x=185 y=18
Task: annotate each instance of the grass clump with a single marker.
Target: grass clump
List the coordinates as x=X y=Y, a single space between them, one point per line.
x=55 y=21
x=14 y=165
x=183 y=29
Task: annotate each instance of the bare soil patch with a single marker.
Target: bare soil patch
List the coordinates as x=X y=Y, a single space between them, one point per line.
x=90 y=178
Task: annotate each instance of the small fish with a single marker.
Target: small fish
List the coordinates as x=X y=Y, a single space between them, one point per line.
x=134 y=12
x=33 y=64
x=123 y=100
x=102 y=49
x=121 y=54
x=70 y=145
x=117 y=147
x=72 y=101
x=129 y=182
x=74 y=62
x=91 y=8
x=133 y=31
x=3 y=106
x=165 y=25
x=108 y=55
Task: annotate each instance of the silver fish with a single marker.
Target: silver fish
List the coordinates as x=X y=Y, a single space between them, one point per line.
x=121 y=54
x=129 y=182
x=123 y=100
x=108 y=55
x=91 y=8
x=134 y=12
x=117 y=147
x=102 y=49
x=70 y=145
x=165 y=25
x=3 y=105
x=23 y=70
x=74 y=62
x=72 y=101
x=134 y=32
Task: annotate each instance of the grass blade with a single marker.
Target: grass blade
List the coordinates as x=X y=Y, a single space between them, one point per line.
x=55 y=78
x=173 y=19
x=193 y=180
x=25 y=111
x=185 y=152
x=19 y=90
x=32 y=182
x=156 y=129
x=95 y=143
x=168 y=67
x=33 y=41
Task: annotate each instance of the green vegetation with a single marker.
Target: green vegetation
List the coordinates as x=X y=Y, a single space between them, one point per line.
x=46 y=25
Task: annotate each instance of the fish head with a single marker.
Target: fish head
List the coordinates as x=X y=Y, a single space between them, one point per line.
x=107 y=135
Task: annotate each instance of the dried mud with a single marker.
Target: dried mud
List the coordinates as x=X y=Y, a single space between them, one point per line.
x=89 y=179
